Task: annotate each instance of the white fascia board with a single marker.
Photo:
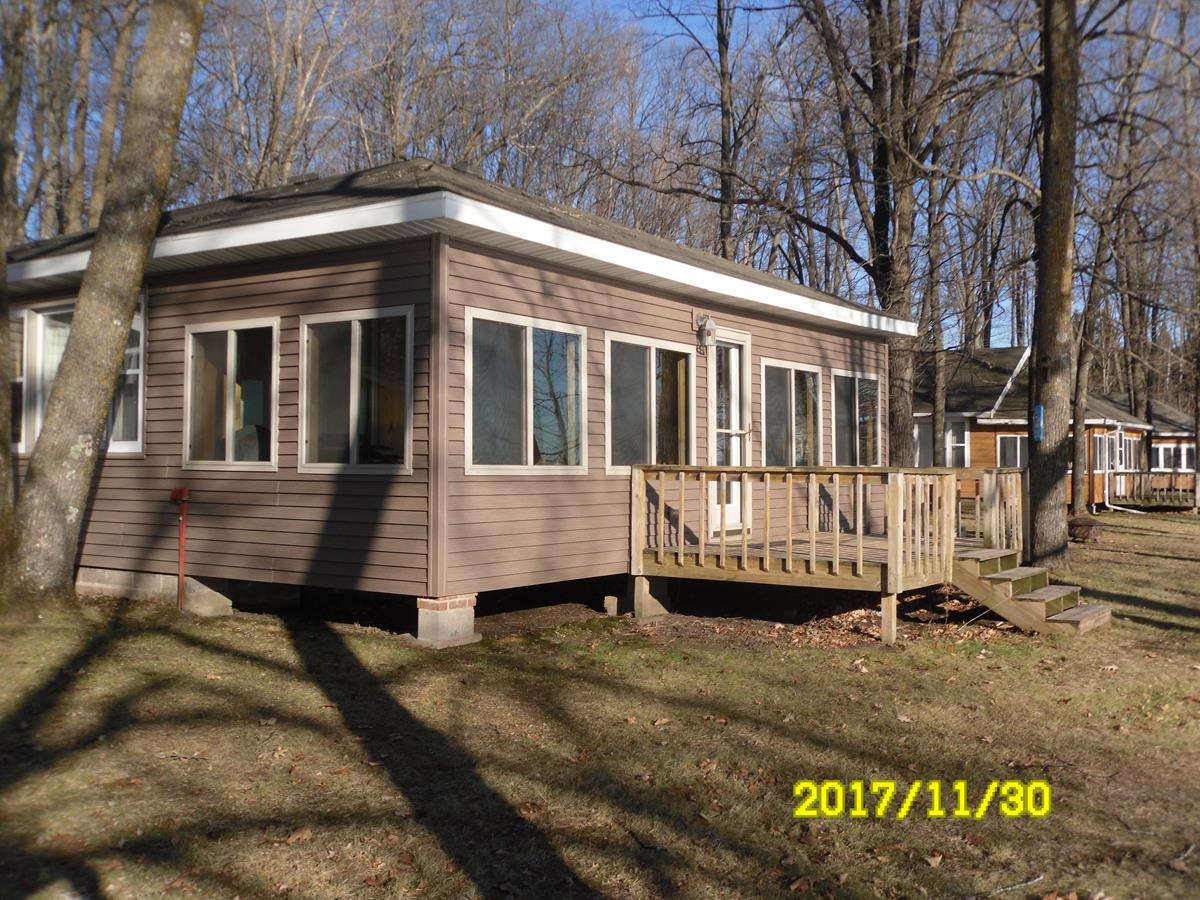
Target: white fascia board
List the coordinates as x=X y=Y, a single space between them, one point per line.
x=492 y=218
x=1012 y=378
x=988 y=420
x=453 y=208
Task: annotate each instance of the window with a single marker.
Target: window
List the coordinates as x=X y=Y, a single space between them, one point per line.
x=791 y=415
x=1175 y=457
x=1100 y=447
x=650 y=402
x=526 y=395
x=230 y=394
x=356 y=390
x=923 y=432
x=1131 y=451
x=855 y=420
x=16 y=339
x=1012 y=450
x=957 y=454
x=36 y=358
x=125 y=417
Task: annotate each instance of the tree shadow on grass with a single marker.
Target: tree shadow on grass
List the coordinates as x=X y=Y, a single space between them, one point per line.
x=497 y=849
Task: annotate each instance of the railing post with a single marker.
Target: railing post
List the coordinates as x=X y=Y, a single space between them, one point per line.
x=949 y=526
x=988 y=509
x=1026 y=519
x=637 y=525
x=894 y=511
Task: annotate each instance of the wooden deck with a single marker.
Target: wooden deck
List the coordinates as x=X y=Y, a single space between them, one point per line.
x=1167 y=490
x=868 y=529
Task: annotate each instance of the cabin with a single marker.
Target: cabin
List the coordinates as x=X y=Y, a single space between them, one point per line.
x=412 y=382
x=1131 y=460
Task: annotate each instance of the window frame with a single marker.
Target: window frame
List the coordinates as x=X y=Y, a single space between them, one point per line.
x=133 y=448
x=792 y=368
x=634 y=340
x=1018 y=437
x=966 y=442
x=33 y=389
x=354 y=317
x=870 y=376
x=528 y=323
x=230 y=465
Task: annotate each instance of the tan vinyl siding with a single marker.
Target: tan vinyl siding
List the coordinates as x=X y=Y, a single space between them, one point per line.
x=510 y=530
x=360 y=531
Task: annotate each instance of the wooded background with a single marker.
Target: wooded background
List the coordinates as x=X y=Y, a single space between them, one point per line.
x=882 y=150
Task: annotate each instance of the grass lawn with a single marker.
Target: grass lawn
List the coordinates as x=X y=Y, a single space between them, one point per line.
x=146 y=755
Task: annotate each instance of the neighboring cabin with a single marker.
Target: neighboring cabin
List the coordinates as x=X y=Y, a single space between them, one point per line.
x=987 y=394
x=413 y=382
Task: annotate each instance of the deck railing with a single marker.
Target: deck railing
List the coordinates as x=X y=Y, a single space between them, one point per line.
x=1176 y=489
x=993 y=508
x=871 y=528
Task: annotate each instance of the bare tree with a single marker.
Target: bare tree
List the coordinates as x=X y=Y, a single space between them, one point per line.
x=1051 y=358
x=54 y=493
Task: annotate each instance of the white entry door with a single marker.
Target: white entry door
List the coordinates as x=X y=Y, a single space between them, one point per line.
x=729 y=427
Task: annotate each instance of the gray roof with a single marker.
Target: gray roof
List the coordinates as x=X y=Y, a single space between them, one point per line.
x=976 y=377
x=1165 y=417
x=406 y=179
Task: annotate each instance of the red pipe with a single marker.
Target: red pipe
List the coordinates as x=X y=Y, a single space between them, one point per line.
x=179 y=496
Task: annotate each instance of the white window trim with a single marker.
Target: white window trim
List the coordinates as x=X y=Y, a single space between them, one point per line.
x=358 y=315
x=528 y=323
x=1018 y=436
x=126 y=448
x=18 y=447
x=229 y=465
x=966 y=444
x=791 y=367
x=653 y=344
x=1188 y=455
x=871 y=376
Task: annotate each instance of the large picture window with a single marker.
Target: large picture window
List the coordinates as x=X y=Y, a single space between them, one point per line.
x=791 y=415
x=855 y=420
x=38 y=340
x=650 y=403
x=526 y=395
x=231 y=395
x=356 y=390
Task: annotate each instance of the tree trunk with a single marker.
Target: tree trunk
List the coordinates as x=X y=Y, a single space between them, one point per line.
x=13 y=35
x=1051 y=358
x=725 y=206
x=54 y=494
x=112 y=109
x=1083 y=376
x=81 y=90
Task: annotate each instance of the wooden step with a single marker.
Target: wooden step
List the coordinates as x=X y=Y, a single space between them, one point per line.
x=1050 y=599
x=987 y=562
x=1019 y=580
x=1083 y=618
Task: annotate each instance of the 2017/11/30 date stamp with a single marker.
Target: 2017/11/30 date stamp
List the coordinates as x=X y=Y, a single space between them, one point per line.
x=935 y=799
